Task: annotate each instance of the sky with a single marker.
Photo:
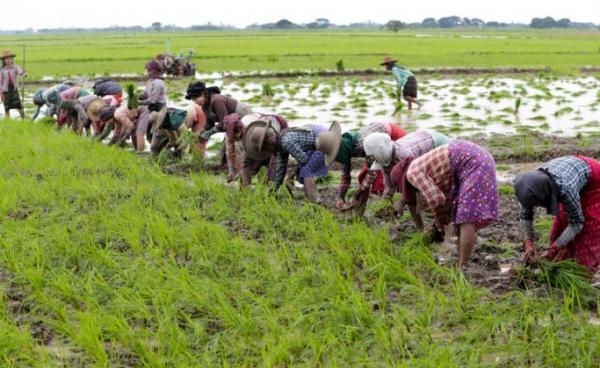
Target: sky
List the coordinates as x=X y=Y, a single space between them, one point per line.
x=69 y=13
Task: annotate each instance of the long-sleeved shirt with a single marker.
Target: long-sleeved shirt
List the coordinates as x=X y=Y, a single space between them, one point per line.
x=570 y=175
x=221 y=106
x=401 y=76
x=295 y=142
x=407 y=149
x=73 y=93
x=358 y=151
x=155 y=92
x=10 y=73
x=107 y=87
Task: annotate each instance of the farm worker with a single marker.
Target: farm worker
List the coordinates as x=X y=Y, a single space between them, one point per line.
x=77 y=113
x=40 y=98
x=313 y=147
x=121 y=120
x=52 y=96
x=250 y=167
x=9 y=75
x=106 y=87
x=352 y=146
x=55 y=97
x=568 y=188
x=96 y=121
x=227 y=113
x=458 y=183
x=217 y=106
x=394 y=157
x=153 y=103
x=405 y=81
x=175 y=122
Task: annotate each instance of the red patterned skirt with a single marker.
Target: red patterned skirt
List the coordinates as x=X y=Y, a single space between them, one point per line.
x=585 y=248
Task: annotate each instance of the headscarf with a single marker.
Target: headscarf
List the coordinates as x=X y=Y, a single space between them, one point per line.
x=380 y=147
x=536 y=188
x=154 y=68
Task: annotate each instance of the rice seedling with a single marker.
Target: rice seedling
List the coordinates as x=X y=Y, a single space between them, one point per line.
x=267 y=90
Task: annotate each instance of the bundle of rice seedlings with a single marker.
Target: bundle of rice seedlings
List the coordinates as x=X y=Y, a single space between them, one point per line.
x=267 y=90
x=567 y=276
x=340 y=66
x=132 y=98
x=187 y=140
x=399 y=107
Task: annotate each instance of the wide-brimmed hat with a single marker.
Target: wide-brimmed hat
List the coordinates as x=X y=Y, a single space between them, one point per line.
x=94 y=109
x=254 y=140
x=329 y=142
x=7 y=54
x=250 y=118
x=107 y=113
x=388 y=60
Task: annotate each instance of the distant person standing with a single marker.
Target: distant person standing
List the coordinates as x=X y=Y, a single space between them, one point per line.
x=405 y=79
x=10 y=86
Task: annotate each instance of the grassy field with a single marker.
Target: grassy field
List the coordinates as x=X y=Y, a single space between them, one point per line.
x=90 y=54
x=105 y=261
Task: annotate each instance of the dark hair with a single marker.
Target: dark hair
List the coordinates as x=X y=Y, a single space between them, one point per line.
x=213 y=90
x=195 y=89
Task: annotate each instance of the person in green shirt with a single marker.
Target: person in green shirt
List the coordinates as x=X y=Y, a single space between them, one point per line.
x=405 y=80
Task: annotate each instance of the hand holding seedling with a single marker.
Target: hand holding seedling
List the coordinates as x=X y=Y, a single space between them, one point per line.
x=529 y=251
x=555 y=253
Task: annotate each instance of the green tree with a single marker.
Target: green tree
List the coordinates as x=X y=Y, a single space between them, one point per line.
x=394 y=25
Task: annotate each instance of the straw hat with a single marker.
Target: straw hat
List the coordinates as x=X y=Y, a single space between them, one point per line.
x=93 y=110
x=329 y=142
x=254 y=143
x=388 y=60
x=7 y=54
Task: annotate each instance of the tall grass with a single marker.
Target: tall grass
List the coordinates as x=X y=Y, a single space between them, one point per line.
x=126 y=266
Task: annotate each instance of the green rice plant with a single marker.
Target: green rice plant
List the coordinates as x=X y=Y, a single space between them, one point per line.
x=267 y=90
x=132 y=97
x=339 y=65
x=313 y=87
x=187 y=140
x=517 y=105
x=568 y=276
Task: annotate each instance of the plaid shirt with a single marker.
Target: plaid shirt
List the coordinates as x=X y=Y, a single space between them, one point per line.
x=407 y=149
x=431 y=174
x=570 y=175
x=359 y=151
x=295 y=142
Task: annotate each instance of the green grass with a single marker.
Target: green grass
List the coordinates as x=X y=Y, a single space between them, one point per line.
x=90 y=54
x=127 y=266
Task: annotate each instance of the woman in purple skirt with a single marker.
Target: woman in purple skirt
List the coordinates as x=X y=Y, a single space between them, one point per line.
x=458 y=182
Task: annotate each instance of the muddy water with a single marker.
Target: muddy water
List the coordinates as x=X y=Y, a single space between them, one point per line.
x=456 y=106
